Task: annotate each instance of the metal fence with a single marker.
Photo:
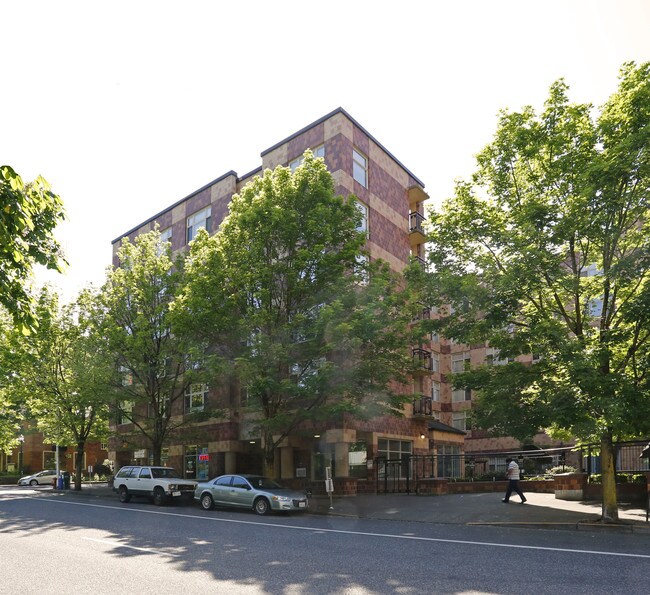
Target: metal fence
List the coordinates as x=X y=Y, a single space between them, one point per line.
x=628 y=459
x=402 y=475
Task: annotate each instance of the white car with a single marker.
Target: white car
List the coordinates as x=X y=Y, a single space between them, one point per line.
x=41 y=478
x=158 y=483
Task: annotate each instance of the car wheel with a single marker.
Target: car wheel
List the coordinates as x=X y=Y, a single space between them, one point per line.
x=207 y=503
x=261 y=506
x=33 y=482
x=124 y=494
x=158 y=496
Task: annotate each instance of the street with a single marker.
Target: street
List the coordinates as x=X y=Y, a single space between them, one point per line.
x=73 y=544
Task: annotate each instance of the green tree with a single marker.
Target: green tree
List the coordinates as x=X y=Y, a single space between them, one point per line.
x=154 y=364
x=11 y=411
x=545 y=251
x=284 y=293
x=63 y=377
x=28 y=215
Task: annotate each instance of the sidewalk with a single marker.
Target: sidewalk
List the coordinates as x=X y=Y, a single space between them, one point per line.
x=541 y=511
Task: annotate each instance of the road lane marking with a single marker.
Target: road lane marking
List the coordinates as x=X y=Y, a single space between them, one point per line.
x=348 y=532
x=115 y=543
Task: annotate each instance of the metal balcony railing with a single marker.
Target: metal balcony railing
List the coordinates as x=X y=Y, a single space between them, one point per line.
x=420 y=261
x=423 y=406
x=422 y=359
x=415 y=222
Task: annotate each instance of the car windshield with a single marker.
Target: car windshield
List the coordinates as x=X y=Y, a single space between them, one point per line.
x=164 y=472
x=263 y=483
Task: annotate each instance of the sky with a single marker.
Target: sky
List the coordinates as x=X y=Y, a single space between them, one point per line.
x=125 y=107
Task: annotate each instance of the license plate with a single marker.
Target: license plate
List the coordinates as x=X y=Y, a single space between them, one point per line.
x=302 y=504
x=176 y=493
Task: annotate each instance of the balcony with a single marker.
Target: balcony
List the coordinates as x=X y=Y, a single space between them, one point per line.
x=423 y=407
x=423 y=314
x=416 y=195
x=420 y=261
x=422 y=361
x=416 y=229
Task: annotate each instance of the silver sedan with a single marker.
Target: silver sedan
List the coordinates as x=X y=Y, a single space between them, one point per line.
x=255 y=492
x=40 y=478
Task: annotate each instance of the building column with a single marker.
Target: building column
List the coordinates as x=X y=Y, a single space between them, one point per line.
x=342 y=459
x=230 y=462
x=286 y=462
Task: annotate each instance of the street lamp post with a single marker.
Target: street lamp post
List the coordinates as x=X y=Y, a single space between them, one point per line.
x=21 y=439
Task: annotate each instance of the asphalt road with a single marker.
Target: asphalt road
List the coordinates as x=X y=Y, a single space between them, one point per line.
x=56 y=543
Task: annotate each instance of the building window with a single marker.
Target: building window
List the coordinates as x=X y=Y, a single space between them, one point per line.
x=359 y=168
x=398 y=452
x=363 y=224
x=362 y=268
x=435 y=362
x=358 y=460
x=166 y=235
x=591 y=270
x=460 y=395
x=164 y=404
x=200 y=220
x=125 y=412
x=164 y=457
x=197 y=462
x=595 y=307
x=460 y=362
x=435 y=391
x=449 y=461
x=394 y=449
x=459 y=420
x=49 y=460
x=127 y=376
x=493 y=358
x=195 y=397
x=297 y=162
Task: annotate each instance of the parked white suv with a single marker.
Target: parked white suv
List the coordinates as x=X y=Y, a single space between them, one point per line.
x=158 y=483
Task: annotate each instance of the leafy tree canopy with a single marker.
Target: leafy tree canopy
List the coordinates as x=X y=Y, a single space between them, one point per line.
x=11 y=411
x=63 y=377
x=28 y=215
x=545 y=252
x=153 y=363
x=311 y=329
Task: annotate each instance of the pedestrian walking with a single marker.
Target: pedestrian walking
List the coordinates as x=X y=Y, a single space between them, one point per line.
x=512 y=474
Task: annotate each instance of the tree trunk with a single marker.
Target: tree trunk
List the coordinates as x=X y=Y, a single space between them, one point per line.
x=268 y=460
x=610 y=504
x=78 y=470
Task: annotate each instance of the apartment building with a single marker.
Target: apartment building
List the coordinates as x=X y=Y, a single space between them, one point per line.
x=392 y=202
x=34 y=453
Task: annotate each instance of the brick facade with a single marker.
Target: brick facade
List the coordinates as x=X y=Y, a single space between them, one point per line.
x=37 y=455
x=391 y=193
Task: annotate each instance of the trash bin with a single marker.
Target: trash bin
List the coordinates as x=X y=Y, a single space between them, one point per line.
x=66 y=480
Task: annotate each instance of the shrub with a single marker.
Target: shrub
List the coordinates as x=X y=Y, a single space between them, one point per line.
x=553 y=471
x=101 y=470
x=620 y=478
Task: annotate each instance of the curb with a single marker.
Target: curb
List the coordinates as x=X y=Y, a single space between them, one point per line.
x=570 y=526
